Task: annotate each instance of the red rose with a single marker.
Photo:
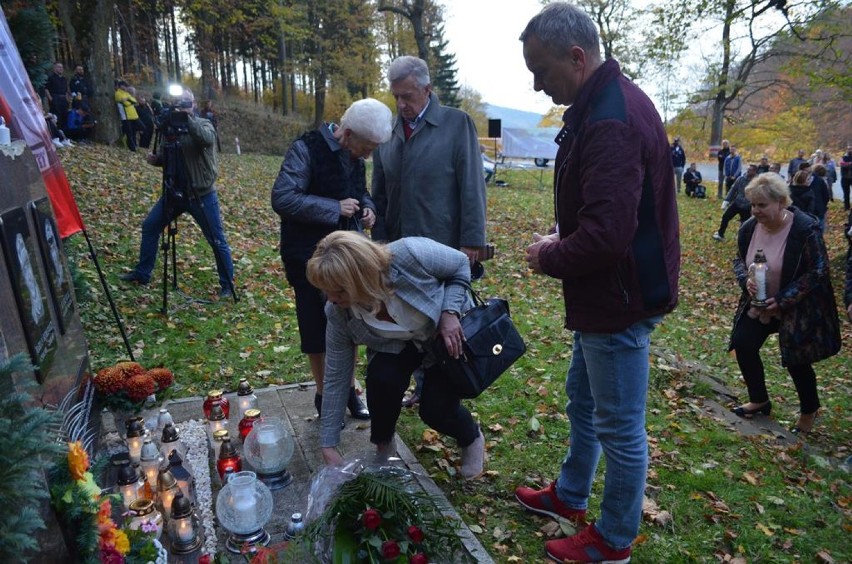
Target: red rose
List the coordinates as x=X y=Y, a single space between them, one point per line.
x=390 y=550
x=371 y=519
x=415 y=534
x=204 y=559
x=418 y=558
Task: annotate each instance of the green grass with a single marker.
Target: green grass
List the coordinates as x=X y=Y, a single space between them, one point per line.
x=729 y=496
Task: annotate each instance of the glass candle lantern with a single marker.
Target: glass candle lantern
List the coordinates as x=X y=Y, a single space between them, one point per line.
x=228 y=458
x=144 y=516
x=134 y=437
x=169 y=441
x=243 y=507
x=183 y=527
x=216 y=422
x=246 y=399
x=167 y=490
x=759 y=271
x=164 y=418
x=247 y=422
x=294 y=527
x=218 y=438
x=129 y=485
x=216 y=397
x=183 y=476
x=150 y=460
x=268 y=449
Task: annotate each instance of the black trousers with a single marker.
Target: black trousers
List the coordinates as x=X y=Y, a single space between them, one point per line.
x=748 y=338
x=388 y=376
x=845 y=184
x=729 y=214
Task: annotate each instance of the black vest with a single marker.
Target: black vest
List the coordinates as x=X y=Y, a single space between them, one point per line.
x=329 y=180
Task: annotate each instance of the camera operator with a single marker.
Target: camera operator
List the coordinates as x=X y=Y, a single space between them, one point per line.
x=188 y=184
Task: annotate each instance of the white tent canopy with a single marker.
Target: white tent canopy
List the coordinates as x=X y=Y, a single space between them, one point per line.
x=530 y=143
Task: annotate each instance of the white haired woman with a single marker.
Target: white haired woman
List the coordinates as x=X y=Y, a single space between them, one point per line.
x=800 y=307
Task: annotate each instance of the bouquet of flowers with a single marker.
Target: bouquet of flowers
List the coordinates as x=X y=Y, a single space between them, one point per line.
x=86 y=514
x=127 y=385
x=378 y=514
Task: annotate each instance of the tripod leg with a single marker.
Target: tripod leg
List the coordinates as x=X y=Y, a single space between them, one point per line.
x=165 y=247
x=173 y=243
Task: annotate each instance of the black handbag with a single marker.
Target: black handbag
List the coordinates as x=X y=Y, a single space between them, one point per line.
x=492 y=344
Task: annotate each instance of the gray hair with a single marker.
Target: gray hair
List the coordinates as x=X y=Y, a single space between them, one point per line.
x=771 y=186
x=368 y=119
x=405 y=66
x=561 y=26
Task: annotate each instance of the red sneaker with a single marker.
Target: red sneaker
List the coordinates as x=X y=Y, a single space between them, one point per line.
x=586 y=546
x=545 y=502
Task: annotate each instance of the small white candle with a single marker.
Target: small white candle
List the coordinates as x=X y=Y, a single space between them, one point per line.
x=760 y=282
x=184 y=529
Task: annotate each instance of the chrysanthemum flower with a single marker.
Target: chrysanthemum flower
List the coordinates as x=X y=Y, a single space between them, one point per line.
x=78 y=460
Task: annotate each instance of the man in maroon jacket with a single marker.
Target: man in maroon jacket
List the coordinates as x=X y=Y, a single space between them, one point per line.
x=617 y=252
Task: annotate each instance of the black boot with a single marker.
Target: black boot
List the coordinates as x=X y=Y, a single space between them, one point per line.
x=356 y=406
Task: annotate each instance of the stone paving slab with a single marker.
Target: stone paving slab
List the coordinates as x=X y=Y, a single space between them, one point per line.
x=294 y=404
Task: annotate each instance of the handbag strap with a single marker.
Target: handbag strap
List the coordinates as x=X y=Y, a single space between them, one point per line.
x=477 y=301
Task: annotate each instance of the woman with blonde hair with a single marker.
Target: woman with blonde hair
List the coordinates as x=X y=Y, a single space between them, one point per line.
x=800 y=304
x=396 y=299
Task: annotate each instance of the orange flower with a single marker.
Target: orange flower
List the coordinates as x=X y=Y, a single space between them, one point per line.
x=78 y=460
x=108 y=535
x=105 y=515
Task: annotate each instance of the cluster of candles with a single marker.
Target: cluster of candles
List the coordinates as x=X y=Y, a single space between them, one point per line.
x=156 y=485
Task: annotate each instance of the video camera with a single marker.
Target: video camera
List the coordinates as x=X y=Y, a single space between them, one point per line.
x=173 y=121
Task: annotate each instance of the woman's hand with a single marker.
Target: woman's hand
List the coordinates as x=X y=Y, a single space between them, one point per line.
x=751 y=286
x=450 y=330
x=331 y=456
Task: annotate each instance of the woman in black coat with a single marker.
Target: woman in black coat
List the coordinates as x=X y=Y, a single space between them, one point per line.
x=800 y=303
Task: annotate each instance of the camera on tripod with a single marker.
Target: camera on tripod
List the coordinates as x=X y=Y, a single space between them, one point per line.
x=173 y=121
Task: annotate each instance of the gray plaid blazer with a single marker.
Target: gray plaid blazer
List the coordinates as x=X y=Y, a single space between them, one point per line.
x=421 y=274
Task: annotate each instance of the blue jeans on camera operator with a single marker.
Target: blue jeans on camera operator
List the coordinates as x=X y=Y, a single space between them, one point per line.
x=205 y=211
x=607 y=386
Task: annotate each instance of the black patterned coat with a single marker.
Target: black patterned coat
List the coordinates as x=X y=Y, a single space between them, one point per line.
x=810 y=328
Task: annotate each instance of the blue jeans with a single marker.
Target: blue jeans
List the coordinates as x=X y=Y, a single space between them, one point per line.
x=205 y=211
x=607 y=386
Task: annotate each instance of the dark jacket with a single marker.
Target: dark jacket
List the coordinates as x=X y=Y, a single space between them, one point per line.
x=678 y=156
x=722 y=155
x=810 y=329
x=822 y=196
x=308 y=190
x=692 y=177
x=619 y=253
x=803 y=198
x=736 y=195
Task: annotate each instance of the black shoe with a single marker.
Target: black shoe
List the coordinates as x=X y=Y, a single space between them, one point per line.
x=764 y=409
x=225 y=293
x=356 y=406
x=799 y=427
x=133 y=276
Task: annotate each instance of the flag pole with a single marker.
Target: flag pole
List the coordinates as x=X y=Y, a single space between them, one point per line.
x=118 y=321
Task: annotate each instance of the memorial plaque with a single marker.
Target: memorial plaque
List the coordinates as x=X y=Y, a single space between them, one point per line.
x=58 y=278
x=28 y=287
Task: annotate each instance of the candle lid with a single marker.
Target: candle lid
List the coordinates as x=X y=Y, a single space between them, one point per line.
x=127 y=475
x=221 y=435
x=252 y=413
x=244 y=388
x=217 y=413
x=181 y=507
x=170 y=433
x=215 y=394
x=165 y=480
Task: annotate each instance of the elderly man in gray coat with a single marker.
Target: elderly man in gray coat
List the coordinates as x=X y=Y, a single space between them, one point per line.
x=427 y=180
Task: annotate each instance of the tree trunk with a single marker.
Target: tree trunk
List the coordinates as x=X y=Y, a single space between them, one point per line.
x=720 y=102
x=319 y=99
x=177 y=76
x=103 y=100
x=282 y=67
